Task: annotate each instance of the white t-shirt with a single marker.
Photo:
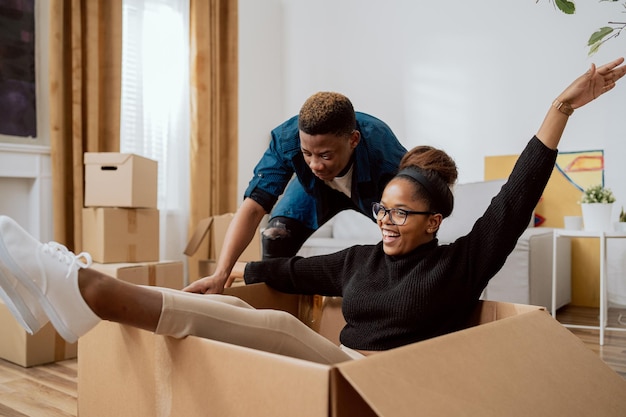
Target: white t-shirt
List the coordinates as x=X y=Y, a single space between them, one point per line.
x=342 y=184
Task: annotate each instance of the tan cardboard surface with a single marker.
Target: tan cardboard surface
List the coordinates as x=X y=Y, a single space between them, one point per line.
x=202 y=229
x=169 y=274
x=523 y=364
x=120 y=180
x=206 y=267
x=113 y=235
x=136 y=273
x=191 y=377
x=216 y=227
x=23 y=349
x=528 y=365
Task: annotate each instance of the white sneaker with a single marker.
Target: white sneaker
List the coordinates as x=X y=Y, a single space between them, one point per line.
x=33 y=273
x=30 y=316
x=24 y=307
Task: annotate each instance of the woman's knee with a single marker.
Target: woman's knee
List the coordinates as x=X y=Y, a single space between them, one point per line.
x=283 y=321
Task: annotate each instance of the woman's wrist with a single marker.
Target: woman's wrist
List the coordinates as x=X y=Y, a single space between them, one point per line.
x=563 y=106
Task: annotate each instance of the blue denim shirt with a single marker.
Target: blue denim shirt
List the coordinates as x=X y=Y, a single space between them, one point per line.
x=308 y=199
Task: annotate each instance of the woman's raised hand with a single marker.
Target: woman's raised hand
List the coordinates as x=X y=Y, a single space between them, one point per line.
x=593 y=83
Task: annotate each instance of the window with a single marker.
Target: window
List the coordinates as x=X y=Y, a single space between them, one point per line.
x=155 y=105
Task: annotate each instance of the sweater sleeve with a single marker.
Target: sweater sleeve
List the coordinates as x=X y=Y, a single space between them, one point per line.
x=323 y=275
x=494 y=235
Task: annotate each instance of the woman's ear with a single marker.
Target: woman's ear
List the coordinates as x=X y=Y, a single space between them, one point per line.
x=434 y=221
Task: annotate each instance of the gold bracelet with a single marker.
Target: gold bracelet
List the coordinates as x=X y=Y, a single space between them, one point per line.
x=564 y=108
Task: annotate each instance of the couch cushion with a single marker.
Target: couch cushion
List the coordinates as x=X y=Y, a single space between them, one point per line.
x=470 y=202
x=352 y=225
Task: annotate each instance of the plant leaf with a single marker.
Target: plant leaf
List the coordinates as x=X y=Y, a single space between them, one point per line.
x=594 y=48
x=598 y=35
x=566 y=6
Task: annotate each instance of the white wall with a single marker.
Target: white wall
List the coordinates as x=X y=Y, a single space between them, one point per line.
x=474 y=78
x=261 y=87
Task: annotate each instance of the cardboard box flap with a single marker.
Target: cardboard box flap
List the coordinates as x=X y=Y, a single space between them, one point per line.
x=488 y=311
x=201 y=231
x=106 y=158
x=216 y=227
x=527 y=365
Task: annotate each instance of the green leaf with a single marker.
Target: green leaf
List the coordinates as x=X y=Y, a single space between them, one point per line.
x=594 y=48
x=598 y=35
x=565 y=6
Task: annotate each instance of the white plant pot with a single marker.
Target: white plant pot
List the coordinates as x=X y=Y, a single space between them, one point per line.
x=597 y=216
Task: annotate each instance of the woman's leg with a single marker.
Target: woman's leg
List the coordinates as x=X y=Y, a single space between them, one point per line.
x=119 y=301
x=228 y=319
x=211 y=316
x=45 y=279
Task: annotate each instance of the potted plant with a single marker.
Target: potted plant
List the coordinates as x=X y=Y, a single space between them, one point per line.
x=597 y=205
x=622 y=220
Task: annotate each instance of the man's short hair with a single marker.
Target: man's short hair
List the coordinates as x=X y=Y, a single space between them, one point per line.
x=327 y=113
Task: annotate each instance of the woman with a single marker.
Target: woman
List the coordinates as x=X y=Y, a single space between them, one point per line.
x=405 y=289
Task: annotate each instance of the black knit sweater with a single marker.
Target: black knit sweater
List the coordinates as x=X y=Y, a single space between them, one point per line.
x=391 y=301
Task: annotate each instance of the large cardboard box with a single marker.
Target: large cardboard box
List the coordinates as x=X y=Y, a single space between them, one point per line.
x=518 y=362
x=120 y=180
x=120 y=234
x=215 y=227
x=21 y=348
x=169 y=274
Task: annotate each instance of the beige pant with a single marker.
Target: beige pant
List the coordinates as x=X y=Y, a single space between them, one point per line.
x=228 y=319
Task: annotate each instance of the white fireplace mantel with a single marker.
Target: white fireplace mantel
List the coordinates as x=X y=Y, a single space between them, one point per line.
x=26 y=187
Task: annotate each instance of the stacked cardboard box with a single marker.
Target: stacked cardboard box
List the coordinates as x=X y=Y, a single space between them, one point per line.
x=121 y=220
x=216 y=227
x=169 y=274
x=120 y=231
x=26 y=350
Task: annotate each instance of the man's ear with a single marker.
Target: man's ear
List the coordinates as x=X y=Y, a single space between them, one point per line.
x=355 y=138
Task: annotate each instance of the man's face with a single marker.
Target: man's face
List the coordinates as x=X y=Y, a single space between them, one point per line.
x=327 y=155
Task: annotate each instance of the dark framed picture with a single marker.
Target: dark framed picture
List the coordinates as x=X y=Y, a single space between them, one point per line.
x=18 y=105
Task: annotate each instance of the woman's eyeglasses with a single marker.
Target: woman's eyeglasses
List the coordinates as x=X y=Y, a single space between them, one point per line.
x=396 y=215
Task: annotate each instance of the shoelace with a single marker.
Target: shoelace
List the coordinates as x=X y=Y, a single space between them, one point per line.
x=63 y=254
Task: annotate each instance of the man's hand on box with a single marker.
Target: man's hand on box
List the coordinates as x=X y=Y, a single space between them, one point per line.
x=206 y=285
x=216 y=283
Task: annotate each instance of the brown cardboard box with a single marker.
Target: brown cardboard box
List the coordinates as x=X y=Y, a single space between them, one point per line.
x=216 y=227
x=120 y=180
x=21 y=348
x=519 y=362
x=207 y=267
x=121 y=234
x=169 y=274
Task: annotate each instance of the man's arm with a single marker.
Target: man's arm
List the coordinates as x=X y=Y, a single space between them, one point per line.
x=241 y=231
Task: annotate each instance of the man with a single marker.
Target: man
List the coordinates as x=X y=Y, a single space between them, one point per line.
x=341 y=159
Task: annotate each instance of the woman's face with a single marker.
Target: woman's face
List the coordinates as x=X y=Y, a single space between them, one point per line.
x=418 y=228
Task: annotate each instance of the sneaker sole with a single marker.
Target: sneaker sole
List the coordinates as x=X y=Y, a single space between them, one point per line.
x=35 y=291
x=16 y=305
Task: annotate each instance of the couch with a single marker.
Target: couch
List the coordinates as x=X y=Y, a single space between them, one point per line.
x=525 y=278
